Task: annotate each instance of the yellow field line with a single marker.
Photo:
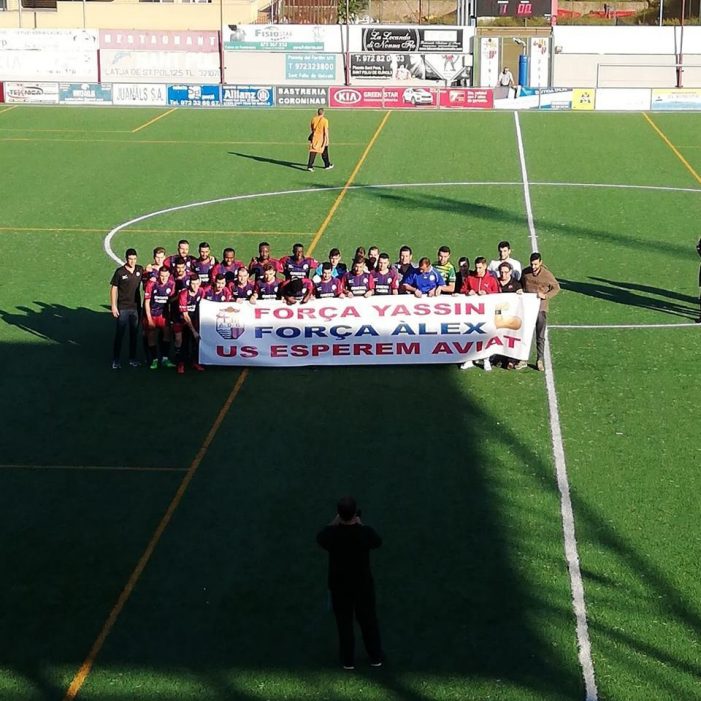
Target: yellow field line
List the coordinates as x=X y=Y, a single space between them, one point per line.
x=154 y=120
x=675 y=150
x=163 y=141
x=9 y=109
x=101 y=230
x=349 y=182
x=64 y=131
x=95 y=468
x=82 y=674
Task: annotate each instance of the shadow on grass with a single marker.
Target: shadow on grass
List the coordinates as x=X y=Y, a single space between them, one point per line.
x=633 y=295
x=418 y=199
x=273 y=161
x=233 y=603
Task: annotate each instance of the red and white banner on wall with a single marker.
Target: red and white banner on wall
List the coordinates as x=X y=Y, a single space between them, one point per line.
x=395 y=330
x=147 y=40
x=411 y=96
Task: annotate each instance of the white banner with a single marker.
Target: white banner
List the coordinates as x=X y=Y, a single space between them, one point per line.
x=489 y=61
x=50 y=64
x=37 y=93
x=153 y=94
x=539 y=63
x=48 y=39
x=374 y=331
x=635 y=99
x=118 y=65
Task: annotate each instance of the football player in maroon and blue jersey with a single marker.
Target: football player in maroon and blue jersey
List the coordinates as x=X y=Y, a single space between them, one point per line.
x=228 y=266
x=187 y=339
x=202 y=266
x=269 y=287
x=244 y=287
x=359 y=282
x=298 y=265
x=218 y=292
x=152 y=269
x=297 y=290
x=328 y=285
x=385 y=277
x=255 y=267
x=184 y=253
x=156 y=302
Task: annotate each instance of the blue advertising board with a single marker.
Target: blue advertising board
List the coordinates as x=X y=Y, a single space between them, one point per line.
x=247 y=95
x=310 y=67
x=194 y=95
x=85 y=93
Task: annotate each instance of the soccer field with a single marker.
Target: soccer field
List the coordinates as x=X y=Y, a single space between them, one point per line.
x=159 y=530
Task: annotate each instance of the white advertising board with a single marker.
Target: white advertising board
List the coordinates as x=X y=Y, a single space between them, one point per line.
x=159 y=66
x=145 y=94
x=635 y=99
x=539 y=74
x=625 y=40
x=49 y=65
x=31 y=93
x=48 y=39
x=489 y=61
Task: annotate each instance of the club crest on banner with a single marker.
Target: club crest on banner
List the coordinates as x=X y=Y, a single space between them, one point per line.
x=228 y=324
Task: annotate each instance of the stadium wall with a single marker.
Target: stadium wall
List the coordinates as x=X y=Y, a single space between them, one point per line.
x=390 y=66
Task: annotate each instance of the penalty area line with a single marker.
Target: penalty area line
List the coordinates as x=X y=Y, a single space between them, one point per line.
x=567 y=513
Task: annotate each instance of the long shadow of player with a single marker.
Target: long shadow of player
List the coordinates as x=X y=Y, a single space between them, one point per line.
x=274 y=161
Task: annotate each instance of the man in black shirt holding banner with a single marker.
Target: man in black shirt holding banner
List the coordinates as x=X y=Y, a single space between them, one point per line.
x=125 y=302
x=348 y=543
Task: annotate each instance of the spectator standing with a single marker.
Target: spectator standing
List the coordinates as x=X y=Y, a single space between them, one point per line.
x=536 y=278
x=504 y=249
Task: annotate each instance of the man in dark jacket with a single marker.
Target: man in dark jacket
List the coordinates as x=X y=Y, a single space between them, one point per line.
x=348 y=543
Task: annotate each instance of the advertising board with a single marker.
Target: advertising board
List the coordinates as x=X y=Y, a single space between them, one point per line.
x=85 y=93
x=32 y=93
x=131 y=66
x=48 y=65
x=466 y=98
x=148 y=40
x=48 y=40
x=308 y=95
x=412 y=39
x=634 y=99
x=283 y=37
x=413 y=68
x=310 y=67
x=194 y=95
x=248 y=96
x=676 y=99
x=146 y=94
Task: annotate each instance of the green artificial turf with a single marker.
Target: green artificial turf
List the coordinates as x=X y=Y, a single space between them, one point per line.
x=454 y=469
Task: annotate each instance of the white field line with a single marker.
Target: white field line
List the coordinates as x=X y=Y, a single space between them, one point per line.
x=571 y=554
x=107 y=244
x=625 y=326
